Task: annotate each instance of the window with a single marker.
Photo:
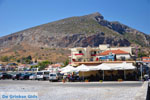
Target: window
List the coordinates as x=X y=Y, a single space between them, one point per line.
x=123 y=58
x=93 y=52
x=39 y=73
x=46 y=73
x=80 y=51
x=80 y=59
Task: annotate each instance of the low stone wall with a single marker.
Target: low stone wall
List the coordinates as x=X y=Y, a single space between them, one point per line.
x=142 y=94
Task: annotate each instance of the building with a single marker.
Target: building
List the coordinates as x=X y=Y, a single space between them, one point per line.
x=80 y=54
x=114 y=55
x=111 y=56
x=109 y=74
x=146 y=59
x=53 y=68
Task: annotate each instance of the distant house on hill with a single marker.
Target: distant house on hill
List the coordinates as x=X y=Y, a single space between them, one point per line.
x=53 y=68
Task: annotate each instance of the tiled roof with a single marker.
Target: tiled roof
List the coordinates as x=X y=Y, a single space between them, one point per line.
x=145 y=57
x=113 y=52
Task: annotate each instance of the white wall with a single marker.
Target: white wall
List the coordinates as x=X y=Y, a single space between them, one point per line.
x=127 y=56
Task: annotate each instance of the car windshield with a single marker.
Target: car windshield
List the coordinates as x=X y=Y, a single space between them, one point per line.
x=46 y=73
x=39 y=73
x=4 y=73
x=52 y=74
x=19 y=74
x=22 y=74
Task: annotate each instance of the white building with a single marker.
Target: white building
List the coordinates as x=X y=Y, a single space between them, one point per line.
x=80 y=54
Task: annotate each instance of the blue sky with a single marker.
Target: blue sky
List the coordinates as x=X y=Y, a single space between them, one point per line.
x=16 y=15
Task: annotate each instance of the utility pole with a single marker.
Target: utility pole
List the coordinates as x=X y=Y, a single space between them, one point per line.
x=141 y=71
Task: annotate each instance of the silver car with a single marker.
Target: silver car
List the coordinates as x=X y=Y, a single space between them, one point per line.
x=53 y=77
x=33 y=77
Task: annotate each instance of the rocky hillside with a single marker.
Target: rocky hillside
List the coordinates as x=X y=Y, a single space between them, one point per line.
x=77 y=31
x=86 y=30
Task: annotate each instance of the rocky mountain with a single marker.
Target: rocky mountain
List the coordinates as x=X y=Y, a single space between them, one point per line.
x=76 y=31
x=86 y=30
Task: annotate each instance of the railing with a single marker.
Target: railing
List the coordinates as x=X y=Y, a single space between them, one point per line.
x=93 y=54
x=79 y=54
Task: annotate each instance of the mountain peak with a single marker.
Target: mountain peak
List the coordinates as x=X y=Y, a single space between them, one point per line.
x=96 y=15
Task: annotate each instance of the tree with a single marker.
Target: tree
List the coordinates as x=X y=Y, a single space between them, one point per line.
x=35 y=66
x=29 y=57
x=141 y=54
x=25 y=60
x=18 y=61
x=5 y=59
x=66 y=62
x=42 y=65
x=35 y=61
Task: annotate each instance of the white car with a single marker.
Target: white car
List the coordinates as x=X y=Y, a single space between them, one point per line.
x=43 y=75
x=40 y=75
x=53 y=77
x=46 y=75
x=33 y=77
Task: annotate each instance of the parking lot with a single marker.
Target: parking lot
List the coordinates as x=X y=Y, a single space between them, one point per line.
x=74 y=90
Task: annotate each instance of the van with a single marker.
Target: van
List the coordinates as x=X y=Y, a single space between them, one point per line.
x=40 y=75
x=43 y=75
x=54 y=77
x=46 y=75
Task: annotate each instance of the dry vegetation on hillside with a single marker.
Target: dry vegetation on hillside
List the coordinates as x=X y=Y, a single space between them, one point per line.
x=37 y=53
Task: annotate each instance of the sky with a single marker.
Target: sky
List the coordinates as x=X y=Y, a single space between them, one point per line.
x=17 y=15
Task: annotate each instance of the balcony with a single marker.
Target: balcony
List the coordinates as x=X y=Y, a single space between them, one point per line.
x=79 y=54
x=93 y=54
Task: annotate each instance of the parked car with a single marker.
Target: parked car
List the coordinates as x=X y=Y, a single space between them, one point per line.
x=25 y=76
x=40 y=75
x=74 y=78
x=55 y=77
x=5 y=76
x=33 y=77
x=16 y=76
x=43 y=75
x=46 y=75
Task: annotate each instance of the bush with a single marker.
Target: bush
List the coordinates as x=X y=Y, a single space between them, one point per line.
x=66 y=62
x=42 y=65
x=5 y=59
x=141 y=54
x=25 y=60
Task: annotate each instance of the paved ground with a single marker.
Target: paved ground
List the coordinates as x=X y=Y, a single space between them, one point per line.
x=74 y=91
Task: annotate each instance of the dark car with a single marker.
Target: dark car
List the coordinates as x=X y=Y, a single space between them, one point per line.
x=25 y=76
x=74 y=78
x=16 y=76
x=5 y=76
